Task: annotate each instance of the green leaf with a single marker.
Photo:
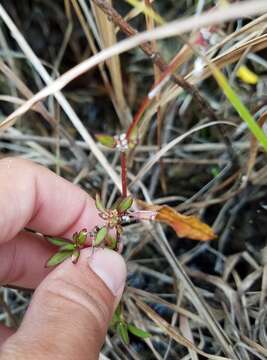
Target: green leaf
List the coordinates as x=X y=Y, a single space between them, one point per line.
x=57 y=241
x=118 y=312
x=239 y=106
x=67 y=247
x=125 y=204
x=75 y=256
x=117 y=316
x=133 y=137
x=123 y=332
x=114 y=321
x=116 y=203
x=215 y=171
x=111 y=242
x=106 y=140
x=138 y=332
x=100 y=236
x=82 y=236
x=58 y=258
x=99 y=204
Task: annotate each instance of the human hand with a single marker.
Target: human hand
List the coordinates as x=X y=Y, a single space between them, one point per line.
x=72 y=305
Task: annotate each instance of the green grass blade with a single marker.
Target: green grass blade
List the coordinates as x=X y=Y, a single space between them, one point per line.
x=239 y=106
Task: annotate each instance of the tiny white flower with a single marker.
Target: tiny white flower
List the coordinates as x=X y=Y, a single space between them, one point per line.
x=198 y=67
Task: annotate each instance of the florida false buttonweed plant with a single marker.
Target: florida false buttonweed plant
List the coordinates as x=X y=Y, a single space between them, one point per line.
x=108 y=234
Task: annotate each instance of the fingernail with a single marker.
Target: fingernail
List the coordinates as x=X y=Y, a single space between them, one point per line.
x=110 y=267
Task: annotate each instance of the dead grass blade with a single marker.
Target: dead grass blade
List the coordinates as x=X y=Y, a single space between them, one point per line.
x=155 y=298
x=230 y=56
x=170 y=145
x=187 y=333
x=257 y=347
x=173 y=332
x=108 y=38
x=83 y=21
x=40 y=108
x=249 y=28
x=197 y=300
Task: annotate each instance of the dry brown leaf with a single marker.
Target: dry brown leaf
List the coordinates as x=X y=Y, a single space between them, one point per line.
x=184 y=226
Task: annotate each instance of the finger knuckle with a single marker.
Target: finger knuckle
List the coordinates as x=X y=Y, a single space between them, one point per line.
x=62 y=295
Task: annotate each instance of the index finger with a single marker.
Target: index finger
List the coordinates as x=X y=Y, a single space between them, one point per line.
x=34 y=197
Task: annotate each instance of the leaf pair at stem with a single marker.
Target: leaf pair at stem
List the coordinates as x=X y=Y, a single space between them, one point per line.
x=67 y=248
x=101 y=236
x=120 y=325
x=109 y=234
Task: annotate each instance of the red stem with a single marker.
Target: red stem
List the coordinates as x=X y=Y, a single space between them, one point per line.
x=123 y=174
x=169 y=69
x=138 y=116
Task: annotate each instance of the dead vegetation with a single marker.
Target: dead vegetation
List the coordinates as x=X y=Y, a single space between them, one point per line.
x=76 y=68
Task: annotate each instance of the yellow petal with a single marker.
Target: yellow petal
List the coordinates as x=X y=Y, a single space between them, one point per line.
x=247 y=76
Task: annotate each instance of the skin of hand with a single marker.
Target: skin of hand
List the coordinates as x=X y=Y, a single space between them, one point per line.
x=72 y=305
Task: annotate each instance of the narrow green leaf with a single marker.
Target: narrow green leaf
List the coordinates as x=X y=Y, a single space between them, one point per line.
x=239 y=106
x=99 y=204
x=123 y=332
x=106 y=140
x=114 y=321
x=125 y=204
x=100 y=236
x=82 y=236
x=58 y=258
x=133 y=137
x=117 y=316
x=138 y=332
x=57 y=241
x=116 y=203
x=67 y=247
x=111 y=242
x=75 y=256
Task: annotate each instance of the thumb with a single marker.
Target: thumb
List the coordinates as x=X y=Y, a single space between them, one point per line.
x=71 y=309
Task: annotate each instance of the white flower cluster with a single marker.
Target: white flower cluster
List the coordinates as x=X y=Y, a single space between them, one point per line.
x=210 y=36
x=122 y=142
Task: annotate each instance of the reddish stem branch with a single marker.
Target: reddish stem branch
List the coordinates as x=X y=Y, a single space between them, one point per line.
x=138 y=116
x=146 y=102
x=167 y=69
